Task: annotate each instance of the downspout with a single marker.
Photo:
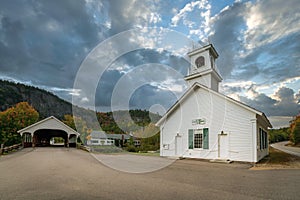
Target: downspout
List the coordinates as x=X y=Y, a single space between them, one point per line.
x=161 y=141
x=253 y=138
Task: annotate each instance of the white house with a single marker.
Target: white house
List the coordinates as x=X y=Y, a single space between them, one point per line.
x=99 y=138
x=206 y=124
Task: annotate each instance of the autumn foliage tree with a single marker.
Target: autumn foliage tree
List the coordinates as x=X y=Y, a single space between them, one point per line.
x=295 y=130
x=14 y=119
x=80 y=126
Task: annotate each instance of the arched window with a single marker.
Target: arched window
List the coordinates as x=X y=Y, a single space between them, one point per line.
x=200 y=61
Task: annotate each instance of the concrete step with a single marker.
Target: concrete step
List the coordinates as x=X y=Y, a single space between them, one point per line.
x=221 y=161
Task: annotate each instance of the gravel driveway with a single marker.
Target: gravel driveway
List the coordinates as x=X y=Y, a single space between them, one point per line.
x=60 y=173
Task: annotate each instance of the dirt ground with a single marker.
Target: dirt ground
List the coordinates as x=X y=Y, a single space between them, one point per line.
x=60 y=173
x=278 y=159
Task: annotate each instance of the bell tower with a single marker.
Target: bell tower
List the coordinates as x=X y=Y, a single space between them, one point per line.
x=203 y=68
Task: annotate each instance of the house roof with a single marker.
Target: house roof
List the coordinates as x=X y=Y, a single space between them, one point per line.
x=198 y=85
x=49 y=123
x=118 y=136
x=103 y=135
x=98 y=135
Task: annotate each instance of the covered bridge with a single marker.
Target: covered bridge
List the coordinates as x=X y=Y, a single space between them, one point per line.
x=40 y=133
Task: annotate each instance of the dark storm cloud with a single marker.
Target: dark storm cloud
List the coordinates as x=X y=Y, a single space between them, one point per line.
x=137 y=59
x=287 y=63
x=105 y=88
x=285 y=104
x=145 y=56
x=46 y=44
x=274 y=62
x=226 y=28
x=147 y=95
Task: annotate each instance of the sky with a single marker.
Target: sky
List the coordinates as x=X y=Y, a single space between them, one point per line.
x=109 y=55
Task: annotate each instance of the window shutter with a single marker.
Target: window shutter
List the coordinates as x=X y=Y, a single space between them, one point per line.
x=261 y=139
x=191 y=139
x=266 y=140
x=205 y=139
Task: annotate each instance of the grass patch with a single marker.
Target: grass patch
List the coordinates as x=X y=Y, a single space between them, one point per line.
x=145 y=154
x=106 y=149
x=279 y=159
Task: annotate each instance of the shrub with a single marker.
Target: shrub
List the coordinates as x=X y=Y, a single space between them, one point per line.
x=131 y=148
x=278 y=135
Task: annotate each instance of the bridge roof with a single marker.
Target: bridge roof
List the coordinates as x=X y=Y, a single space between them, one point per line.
x=49 y=123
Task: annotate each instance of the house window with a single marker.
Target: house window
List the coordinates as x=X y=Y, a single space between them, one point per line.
x=262 y=139
x=198 y=138
x=94 y=141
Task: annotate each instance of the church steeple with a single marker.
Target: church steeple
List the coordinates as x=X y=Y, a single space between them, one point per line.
x=203 y=68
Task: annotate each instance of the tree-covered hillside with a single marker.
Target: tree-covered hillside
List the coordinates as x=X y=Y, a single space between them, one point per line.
x=44 y=102
x=48 y=104
x=121 y=122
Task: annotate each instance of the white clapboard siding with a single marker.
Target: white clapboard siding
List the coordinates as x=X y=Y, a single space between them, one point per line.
x=221 y=114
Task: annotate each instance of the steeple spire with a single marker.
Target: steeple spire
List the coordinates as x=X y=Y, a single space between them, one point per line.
x=203 y=68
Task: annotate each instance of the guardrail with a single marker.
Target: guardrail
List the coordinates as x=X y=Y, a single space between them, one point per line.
x=10 y=148
x=85 y=148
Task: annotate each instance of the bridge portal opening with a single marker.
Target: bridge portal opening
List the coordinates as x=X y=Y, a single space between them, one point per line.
x=43 y=137
x=57 y=141
x=47 y=132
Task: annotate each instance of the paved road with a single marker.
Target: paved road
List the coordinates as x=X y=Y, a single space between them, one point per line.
x=290 y=150
x=58 y=173
x=133 y=163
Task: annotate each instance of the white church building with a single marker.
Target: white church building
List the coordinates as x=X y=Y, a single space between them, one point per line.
x=206 y=124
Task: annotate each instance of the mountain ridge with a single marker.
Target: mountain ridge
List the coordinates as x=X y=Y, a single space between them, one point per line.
x=48 y=104
x=45 y=102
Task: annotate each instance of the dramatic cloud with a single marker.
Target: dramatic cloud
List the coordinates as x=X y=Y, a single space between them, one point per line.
x=43 y=43
x=268 y=21
x=284 y=103
x=127 y=14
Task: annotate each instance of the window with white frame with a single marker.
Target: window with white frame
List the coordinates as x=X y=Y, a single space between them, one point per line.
x=198 y=138
x=94 y=141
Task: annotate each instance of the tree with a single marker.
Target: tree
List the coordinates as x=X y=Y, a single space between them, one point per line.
x=295 y=130
x=278 y=135
x=14 y=119
x=69 y=120
x=80 y=126
x=149 y=137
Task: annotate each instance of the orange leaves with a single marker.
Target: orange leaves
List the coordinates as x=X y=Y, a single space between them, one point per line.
x=14 y=119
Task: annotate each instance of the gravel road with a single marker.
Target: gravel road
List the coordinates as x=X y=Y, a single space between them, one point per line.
x=60 y=173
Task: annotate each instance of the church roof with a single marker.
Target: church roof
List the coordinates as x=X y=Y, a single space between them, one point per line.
x=195 y=85
x=209 y=47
